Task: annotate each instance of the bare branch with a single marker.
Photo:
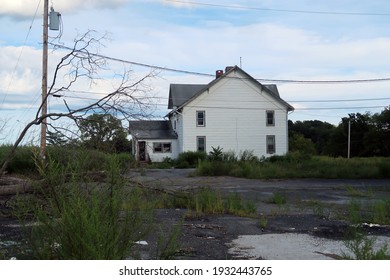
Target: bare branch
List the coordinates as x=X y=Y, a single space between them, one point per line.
x=128 y=100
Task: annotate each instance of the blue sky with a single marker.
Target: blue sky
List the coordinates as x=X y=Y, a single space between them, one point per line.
x=275 y=39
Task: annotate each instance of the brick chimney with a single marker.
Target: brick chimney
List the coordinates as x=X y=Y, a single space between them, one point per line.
x=218 y=73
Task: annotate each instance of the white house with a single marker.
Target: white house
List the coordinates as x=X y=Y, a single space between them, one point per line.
x=234 y=112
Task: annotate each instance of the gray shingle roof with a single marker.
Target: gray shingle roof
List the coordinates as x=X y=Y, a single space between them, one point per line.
x=151 y=130
x=180 y=93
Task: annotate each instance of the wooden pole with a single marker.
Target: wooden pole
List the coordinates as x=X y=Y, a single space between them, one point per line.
x=349 y=138
x=44 y=77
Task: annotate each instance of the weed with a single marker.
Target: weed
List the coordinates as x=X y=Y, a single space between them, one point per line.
x=297 y=165
x=167 y=244
x=319 y=210
x=216 y=154
x=278 y=199
x=354 y=192
x=190 y=159
x=209 y=201
x=357 y=241
x=235 y=206
x=362 y=248
x=83 y=221
x=2 y=254
x=381 y=212
x=355 y=211
x=263 y=222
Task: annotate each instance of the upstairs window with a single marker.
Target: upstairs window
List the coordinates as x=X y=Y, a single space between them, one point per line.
x=200 y=118
x=271 y=144
x=159 y=147
x=270 y=118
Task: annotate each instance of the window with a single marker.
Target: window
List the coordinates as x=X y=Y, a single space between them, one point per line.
x=270 y=144
x=201 y=143
x=270 y=115
x=159 y=147
x=200 y=118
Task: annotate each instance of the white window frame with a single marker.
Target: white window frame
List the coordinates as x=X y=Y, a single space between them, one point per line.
x=162 y=147
x=198 y=138
x=270 y=144
x=201 y=121
x=270 y=121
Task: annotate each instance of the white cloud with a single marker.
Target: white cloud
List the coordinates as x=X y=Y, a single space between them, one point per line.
x=179 y=4
x=20 y=9
x=20 y=76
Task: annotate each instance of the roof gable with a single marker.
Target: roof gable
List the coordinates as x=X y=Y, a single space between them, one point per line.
x=181 y=94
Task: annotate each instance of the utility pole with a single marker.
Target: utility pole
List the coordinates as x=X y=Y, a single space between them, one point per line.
x=44 y=77
x=349 y=138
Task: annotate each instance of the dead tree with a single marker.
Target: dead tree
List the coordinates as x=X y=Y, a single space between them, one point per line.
x=130 y=99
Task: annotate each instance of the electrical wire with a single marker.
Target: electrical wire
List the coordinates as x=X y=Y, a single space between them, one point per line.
x=20 y=54
x=162 y=68
x=255 y=101
x=246 y=108
x=278 y=10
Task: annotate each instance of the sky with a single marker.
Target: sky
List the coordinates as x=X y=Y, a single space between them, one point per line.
x=328 y=58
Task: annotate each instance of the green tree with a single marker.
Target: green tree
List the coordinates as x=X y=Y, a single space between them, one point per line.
x=298 y=143
x=104 y=132
x=370 y=135
x=317 y=131
x=377 y=138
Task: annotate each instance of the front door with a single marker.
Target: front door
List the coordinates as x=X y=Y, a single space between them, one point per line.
x=142 y=151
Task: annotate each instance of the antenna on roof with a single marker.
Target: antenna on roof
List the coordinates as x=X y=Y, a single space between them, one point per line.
x=240 y=62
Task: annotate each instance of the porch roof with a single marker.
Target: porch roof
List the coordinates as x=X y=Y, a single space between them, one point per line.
x=151 y=129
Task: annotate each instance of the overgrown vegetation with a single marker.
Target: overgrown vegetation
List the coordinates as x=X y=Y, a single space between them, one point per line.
x=363 y=248
x=204 y=201
x=87 y=160
x=296 y=165
x=76 y=217
x=357 y=240
x=83 y=208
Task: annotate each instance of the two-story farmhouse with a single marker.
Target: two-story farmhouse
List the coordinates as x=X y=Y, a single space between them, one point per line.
x=234 y=112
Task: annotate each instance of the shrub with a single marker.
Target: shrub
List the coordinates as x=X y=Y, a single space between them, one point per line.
x=214 y=168
x=216 y=154
x=362 y=248
x=23 y=160
x=190 y=159
x=248 y=156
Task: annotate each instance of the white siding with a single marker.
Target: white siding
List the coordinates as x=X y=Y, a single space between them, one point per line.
x=179 y=131
x=159 y=157
x=235 y=119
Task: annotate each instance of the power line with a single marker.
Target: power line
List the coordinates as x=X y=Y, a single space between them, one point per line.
x=247 y=108
x=252 y=101
x=374 y=80
x=340 y=100
x=21 y=52
x=278 y=10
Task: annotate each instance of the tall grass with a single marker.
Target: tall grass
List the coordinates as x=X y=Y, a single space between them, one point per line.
x=82 y=159
x=79 y=219
x=298 y=166
x=362 y=245
x=210 y=201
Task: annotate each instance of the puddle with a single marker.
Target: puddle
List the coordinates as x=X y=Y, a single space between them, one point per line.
x=292 y=246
